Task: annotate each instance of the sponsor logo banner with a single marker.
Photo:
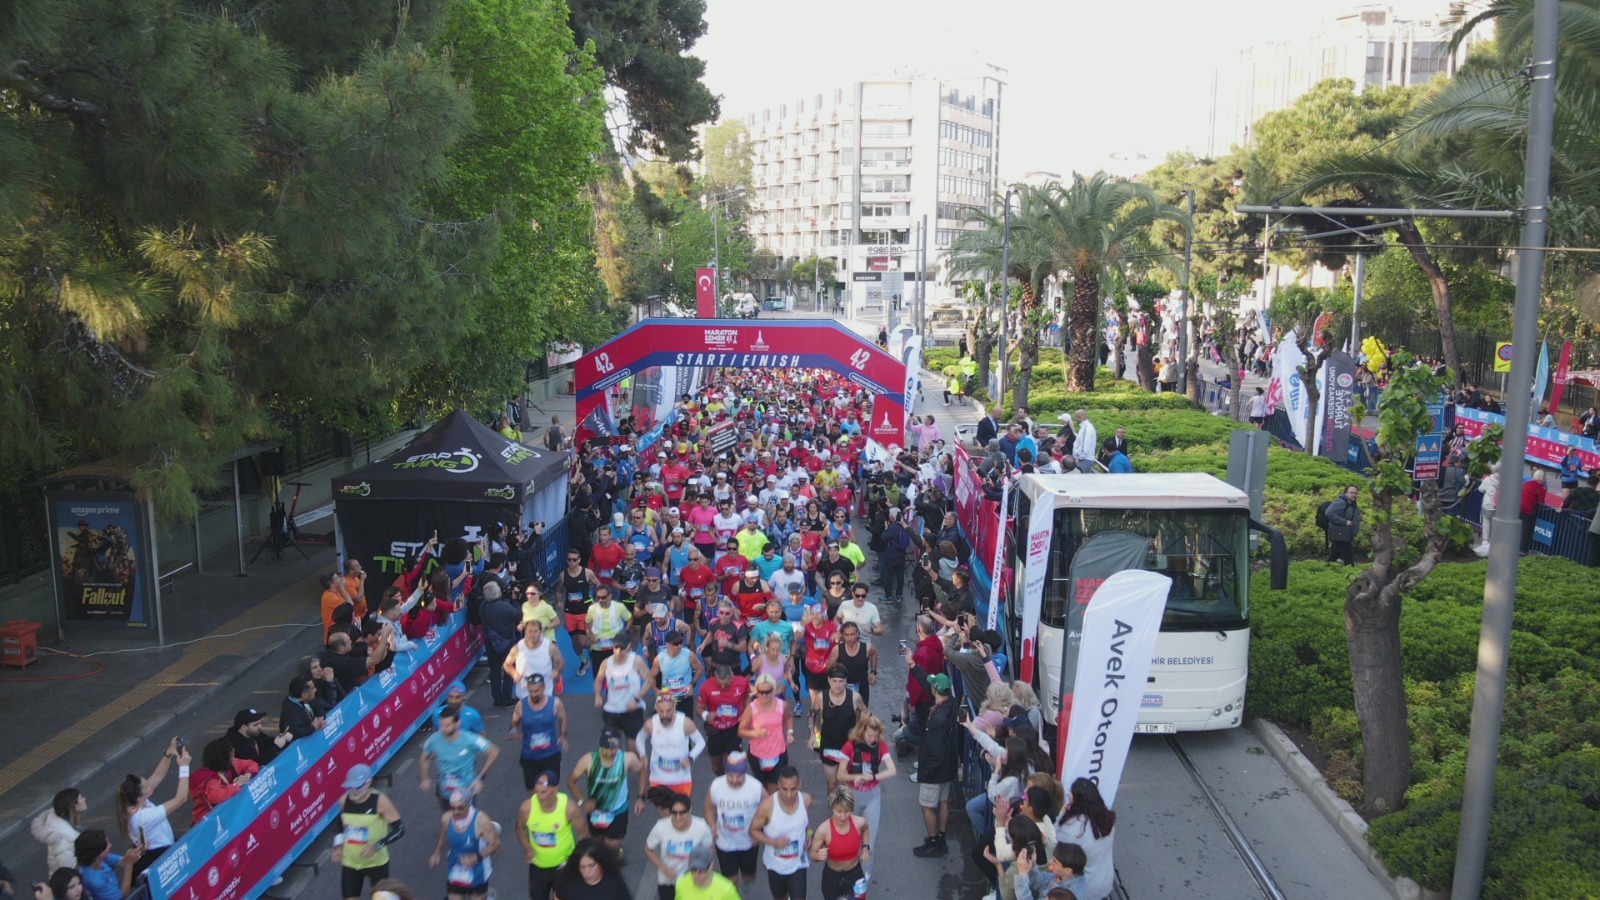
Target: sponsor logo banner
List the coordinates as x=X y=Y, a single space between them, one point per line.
x=1120 y=627
x=247 y=842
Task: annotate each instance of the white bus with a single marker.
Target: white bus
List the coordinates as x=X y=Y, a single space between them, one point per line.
x=1195 y=529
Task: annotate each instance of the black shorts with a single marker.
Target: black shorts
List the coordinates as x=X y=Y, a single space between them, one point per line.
x=350 y=880
x=721 y=742
x=541 y=881
x=733 y=862
x=629 y=723
x=616 y=831
x=840 y=884
x=792 y=885
x=769 y=776
x=816 y=681
x=532 y=767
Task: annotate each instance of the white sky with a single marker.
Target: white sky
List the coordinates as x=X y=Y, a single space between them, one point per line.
x=1085 y=80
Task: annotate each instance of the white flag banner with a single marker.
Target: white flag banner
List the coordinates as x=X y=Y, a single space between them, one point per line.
x=997 y=572
x=1040 y=525
x=1119 y=639
x=1286 y=391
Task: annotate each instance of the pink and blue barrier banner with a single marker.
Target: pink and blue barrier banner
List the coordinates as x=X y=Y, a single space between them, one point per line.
x=1546 y=446
x=248 y=841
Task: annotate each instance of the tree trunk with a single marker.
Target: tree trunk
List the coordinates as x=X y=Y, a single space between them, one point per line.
x=1085 y=318
x=1443 y=300
x=1372 y=634
x=1119 y=362
x=1027 y=345
x=1145 y=363
x=1231 y=357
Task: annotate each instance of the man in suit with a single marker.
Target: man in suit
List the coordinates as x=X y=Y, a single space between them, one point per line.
x=988 y=429
x=1119 y=441
x=297 y=717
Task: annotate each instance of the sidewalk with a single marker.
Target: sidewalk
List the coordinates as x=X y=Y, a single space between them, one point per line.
x=66 y=719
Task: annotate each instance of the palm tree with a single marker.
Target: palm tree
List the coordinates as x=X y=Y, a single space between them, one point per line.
x=981 y=251
x=1095 y=222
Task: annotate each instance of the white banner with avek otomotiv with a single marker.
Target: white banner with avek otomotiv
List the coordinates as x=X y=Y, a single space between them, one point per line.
x=1119 y=638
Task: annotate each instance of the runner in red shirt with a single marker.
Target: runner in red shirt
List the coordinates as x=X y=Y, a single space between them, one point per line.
x=820 y=633
x=698 y=584
x=606 y=556
x=673 y=475
x=730 y=566
x=722 y=701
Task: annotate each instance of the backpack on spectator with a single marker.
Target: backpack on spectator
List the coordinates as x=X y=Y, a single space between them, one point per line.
x=1322 y=514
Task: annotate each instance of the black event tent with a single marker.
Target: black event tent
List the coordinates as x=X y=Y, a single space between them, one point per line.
x=457 y=478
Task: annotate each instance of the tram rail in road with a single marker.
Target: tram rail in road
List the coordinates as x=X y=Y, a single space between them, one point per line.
x=1230 y=828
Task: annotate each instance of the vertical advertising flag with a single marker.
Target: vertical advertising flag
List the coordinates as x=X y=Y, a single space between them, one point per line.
x=997 y=562
x=1097 y=560
x=1541 y=376
x=1035 y=570
x=1119 y=638
x=1563 y=366
x=1338 y=395
x=705 y=293
x=99 y=544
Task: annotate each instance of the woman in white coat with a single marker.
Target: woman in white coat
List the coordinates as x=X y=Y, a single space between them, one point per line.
x=57 y=827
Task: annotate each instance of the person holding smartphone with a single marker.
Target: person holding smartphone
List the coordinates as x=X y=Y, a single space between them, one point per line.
x=147 y=822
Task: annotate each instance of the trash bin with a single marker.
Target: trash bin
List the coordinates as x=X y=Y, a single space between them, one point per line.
x=19 y=643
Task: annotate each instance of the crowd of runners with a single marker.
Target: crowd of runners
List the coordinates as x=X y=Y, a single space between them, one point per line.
x=722 y=599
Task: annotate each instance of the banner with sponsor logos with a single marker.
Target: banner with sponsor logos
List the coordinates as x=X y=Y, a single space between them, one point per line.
x=1338 y=395
x=1286 y=390
x=1096 y=560
x=1120 y=627
x=248 y=841
x=979 y=518
x=743 y=344
x=1546 y=446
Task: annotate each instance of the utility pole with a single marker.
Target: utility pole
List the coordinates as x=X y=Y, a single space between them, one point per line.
x=1355 y=309
x=816 y=281
x=1005 y=299
x=922 y=278
x=1185 y=323
x=1500 y=584
x=716 y=242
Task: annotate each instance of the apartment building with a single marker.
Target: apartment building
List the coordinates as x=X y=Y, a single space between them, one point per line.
x=1374 y=45
x=876 y=176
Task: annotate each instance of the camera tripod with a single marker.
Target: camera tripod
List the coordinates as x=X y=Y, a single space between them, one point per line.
x=281 y=531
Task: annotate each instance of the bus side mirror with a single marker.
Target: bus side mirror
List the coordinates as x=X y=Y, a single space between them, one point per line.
x=1280 y=554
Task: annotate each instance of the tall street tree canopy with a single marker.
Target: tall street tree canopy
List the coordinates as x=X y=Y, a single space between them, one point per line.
x=220 y=218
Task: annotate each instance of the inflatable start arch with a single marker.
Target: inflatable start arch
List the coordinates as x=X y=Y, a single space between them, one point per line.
x=661 y=359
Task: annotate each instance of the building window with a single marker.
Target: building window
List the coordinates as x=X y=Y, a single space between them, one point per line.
x=947 y=236
x=1428 y=58
x=892 y=129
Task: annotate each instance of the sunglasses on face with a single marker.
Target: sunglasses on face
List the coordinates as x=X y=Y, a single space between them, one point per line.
x=766 y=693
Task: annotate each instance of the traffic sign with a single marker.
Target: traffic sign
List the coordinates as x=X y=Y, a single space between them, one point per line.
x=1502 y=356
x=1430 y=451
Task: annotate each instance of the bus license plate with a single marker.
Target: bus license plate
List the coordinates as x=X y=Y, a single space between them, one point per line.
x=1155 y=728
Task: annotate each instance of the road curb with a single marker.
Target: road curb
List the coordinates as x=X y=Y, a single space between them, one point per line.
x=1339 y=813
x=163 y=725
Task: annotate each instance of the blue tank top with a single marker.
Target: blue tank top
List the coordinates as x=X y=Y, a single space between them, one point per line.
x=677 y=675
x=640 y=538
x=541 y=736
x=462 y=842
x=678 y=559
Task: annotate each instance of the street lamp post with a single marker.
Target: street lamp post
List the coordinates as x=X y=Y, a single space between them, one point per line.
x=716 y=241
x=1005 y=296
x=1185 y=325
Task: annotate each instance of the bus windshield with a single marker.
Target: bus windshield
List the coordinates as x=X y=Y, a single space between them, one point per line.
x=1204 y=552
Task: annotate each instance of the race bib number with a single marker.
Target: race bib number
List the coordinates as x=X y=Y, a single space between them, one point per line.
x=600 y=818
x=790 y=850
x=670 y=765
x=540 y=740
x=461 y=876
x=544 y=838
x=356 y=834
x=768 y=762
x=727 y=711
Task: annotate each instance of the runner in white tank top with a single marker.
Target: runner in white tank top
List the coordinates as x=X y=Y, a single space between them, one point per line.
x=623 y=684
x=672 y=750
x=531 y=660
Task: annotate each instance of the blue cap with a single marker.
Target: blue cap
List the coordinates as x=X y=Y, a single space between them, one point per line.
x=358 y=776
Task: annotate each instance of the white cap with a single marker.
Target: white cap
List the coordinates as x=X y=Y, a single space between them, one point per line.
x=618 y=518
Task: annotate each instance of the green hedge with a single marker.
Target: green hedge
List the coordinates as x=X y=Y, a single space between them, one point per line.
x=1548 y=792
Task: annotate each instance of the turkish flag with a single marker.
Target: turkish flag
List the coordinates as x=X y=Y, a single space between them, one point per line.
x=705 y=292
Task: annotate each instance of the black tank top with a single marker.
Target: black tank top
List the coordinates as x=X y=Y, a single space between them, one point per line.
x=855 y=666
x=575 y=592
x=837 y=720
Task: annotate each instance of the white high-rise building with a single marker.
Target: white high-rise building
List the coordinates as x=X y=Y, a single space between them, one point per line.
x=1374 y=45
x=853 y=173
